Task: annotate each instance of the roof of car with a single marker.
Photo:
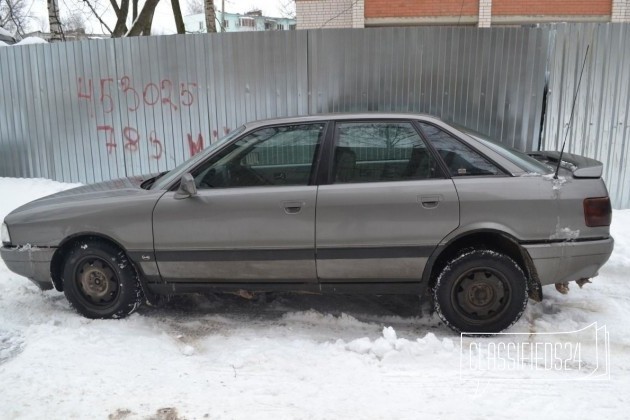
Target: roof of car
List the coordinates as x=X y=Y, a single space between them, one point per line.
x=343 y=116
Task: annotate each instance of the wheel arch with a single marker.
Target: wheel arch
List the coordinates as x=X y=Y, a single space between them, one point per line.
x=483 y=238
x=59 y=257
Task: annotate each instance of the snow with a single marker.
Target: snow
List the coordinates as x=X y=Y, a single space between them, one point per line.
x=301 y=356
x=565 y=232
x=32 y=40
x=5 y=32
x=557 y=182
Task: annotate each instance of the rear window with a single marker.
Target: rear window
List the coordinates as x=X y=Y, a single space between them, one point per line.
x=520 y=159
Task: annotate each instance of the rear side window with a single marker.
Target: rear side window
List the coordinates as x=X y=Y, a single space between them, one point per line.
x=460 y=159
x=381 y=152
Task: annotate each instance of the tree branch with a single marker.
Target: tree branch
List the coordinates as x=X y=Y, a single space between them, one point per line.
x=97 y=15
x=144 y=19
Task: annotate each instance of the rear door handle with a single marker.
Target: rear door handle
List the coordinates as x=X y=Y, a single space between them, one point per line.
x=429 y=201
x=293 y=207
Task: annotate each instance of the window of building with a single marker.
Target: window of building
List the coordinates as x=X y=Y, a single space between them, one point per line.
x=247 y=22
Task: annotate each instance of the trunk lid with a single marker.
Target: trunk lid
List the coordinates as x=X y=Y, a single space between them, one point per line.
x=580 y=166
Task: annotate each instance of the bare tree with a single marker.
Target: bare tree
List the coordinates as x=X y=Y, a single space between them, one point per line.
x=177 y=14
x=121 y=11
x=56 y=31
x=287 y=8
x=194 y=7
x=142 y=24
x=14 y=16
x=211 y=17
x=74 y=21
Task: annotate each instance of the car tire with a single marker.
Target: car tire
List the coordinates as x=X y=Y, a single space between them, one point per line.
x=480 y=292
x=99 y=281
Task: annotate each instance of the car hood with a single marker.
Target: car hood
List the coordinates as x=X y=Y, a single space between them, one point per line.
x=103 y=190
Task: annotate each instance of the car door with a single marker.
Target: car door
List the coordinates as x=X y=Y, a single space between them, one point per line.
x=386 y=207
x=253 y=217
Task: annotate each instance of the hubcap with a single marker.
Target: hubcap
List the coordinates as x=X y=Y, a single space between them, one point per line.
x=97 y=281
x=481 y=293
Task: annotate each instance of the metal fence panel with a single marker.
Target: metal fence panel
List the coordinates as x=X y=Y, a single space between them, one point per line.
x=600 y=128
x=490 y=80
x=96 y=110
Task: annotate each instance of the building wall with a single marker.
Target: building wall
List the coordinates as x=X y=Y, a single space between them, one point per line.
x=197 y=23
x=551 y=7
x=315 y=14
x=621 y=11
x=312 y=14
x=415 y=8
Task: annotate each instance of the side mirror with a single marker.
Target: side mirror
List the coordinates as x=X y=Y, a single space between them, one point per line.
x=187 y=187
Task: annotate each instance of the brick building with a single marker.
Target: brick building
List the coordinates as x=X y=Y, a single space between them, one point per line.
x=364 y=13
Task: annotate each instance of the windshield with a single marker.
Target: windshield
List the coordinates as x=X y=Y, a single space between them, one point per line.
x=176 y=173
x=520 y=159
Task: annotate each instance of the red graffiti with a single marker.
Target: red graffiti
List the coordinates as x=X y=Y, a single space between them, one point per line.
x=125 y=85
x=154 y=96
x=195 y=147
x=85 y=93
x=132 y=138
x=167 y=87
x=215 y=133
x=110 y=141
x=106 y=97
x=132 y=141
x=185 y=92
x=157 y=144
x=152 y=93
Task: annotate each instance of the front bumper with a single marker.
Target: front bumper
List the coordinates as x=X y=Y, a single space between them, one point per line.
x=32 y=263
x=568 y=261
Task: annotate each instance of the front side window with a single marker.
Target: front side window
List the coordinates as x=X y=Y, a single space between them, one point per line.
x=460 y=159
x=271 y=156
x=380 y=152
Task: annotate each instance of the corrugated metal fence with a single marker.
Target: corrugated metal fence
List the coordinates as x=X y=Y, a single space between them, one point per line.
x=601 y=126
x=94 y=110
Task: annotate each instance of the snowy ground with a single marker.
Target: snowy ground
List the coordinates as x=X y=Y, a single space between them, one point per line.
x=292 y=357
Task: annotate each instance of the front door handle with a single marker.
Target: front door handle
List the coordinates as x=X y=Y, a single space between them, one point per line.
x=293 y=207
x=429 y=201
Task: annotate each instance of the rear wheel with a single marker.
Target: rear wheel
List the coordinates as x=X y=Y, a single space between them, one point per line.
x=99 y=281
x=480 y=292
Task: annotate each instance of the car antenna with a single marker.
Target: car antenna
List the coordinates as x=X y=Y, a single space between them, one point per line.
x=555 y=176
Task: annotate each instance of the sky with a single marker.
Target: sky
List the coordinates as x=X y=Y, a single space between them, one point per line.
x=163 y=22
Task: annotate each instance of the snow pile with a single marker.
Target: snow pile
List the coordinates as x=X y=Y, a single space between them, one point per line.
x=15 y=192
x=389 y=345
x=32 y=40
x=295 y=356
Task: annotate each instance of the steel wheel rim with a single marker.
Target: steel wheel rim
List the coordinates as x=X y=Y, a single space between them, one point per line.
x=97 y=282
x=481 y=294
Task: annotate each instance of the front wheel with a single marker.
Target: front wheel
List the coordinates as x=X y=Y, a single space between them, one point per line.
x=99 y=281
x=481 y=292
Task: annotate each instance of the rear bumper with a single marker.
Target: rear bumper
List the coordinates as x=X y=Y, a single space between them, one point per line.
x=32 y=263
x=569 y=261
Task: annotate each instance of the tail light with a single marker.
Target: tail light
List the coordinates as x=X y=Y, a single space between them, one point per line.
x=597 y=211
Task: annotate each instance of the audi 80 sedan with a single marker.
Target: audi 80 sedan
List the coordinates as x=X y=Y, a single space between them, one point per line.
x=373 y=203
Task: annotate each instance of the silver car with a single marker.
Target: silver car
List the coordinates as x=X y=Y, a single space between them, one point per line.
x=350 y=203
